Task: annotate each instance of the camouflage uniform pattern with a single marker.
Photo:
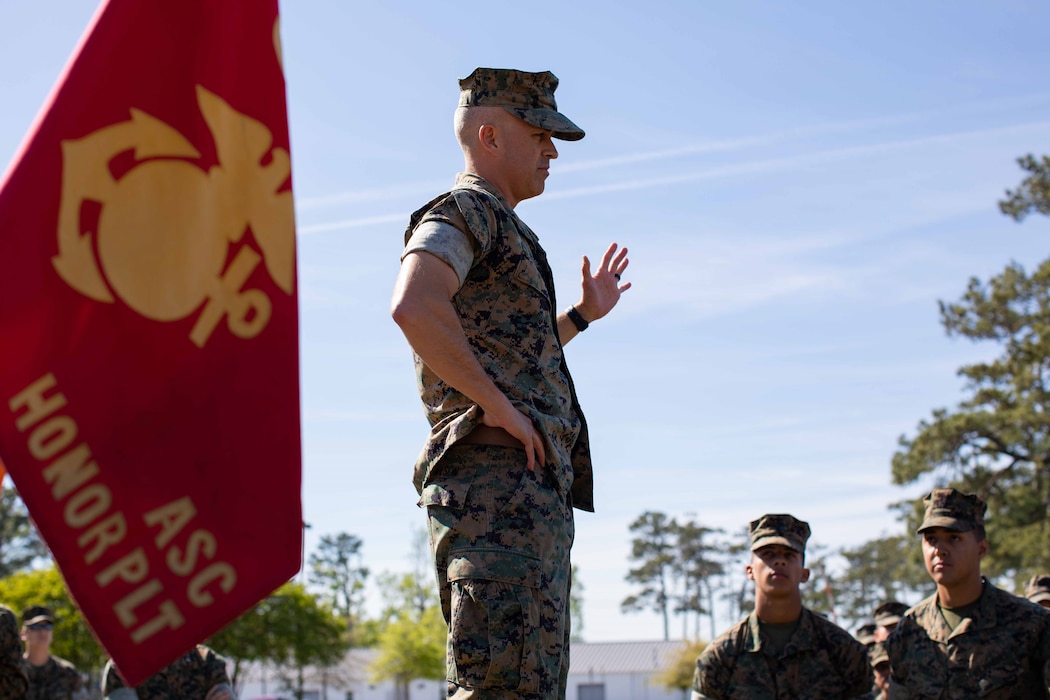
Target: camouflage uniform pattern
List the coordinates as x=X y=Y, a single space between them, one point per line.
x=877 y=654
x=889 y=613
x=952 y=510
x=57 y=679
x=779 y=528
x=500 y=534
x=528 y=96
x=189 y=677
x=508 y=312
x=1003 y=651
x=1038 y=589
x=502 y=562
x=821 y=662
x=13 y=683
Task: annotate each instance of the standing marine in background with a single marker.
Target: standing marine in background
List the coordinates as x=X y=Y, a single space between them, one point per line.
x=782 y=649
x=1038 y=590
x=50 y=677
x=199 y=674
x=969 y=639
x=13 y=683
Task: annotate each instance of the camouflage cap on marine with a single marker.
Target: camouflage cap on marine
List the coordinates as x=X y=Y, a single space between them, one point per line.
x=889 y=613
x=36 y=614
x=952 y=510
x=877 y=654
x=779 y=529
x=866 y=634
x=1038 y=588
x=528 y=96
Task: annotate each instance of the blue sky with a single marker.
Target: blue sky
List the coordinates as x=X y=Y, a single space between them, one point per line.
x=798 y=185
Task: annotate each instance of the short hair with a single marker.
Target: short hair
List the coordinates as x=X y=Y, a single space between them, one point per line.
x=467 y=120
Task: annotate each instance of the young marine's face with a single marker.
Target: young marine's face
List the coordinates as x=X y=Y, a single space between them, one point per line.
x=777 y=569
x=952 y=557
x=527 y=153
x=38 y=635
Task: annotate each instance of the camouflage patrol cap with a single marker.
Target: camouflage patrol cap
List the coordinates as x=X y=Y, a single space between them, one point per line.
x=889 y=613
x=877 y=654
x=1038 y=588
x=37 y=613
x=779 y=529
x=528 y=96
x=952 y=510
x=866 y=634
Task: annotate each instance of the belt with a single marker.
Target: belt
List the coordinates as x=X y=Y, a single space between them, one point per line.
x=489 y=435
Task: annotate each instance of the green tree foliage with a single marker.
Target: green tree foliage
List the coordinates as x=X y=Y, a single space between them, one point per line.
x=679 y=675
x=412 y=640
x=1034 y=191
x=20 y=545
x=337 y=567
x=248 y=638
x=997 y=442
x=696 y=566
x=576 y=606
x=737 y=589
x=889 y=568
x=820 y=593
x=653 y=549
x=71 y=639
x=680 y=565
x=292 y=630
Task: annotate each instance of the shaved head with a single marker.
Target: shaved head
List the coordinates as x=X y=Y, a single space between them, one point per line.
x=468 y=120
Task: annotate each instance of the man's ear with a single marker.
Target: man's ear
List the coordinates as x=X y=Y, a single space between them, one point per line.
x=982 y=548
x=805 y=575
x=750 y=572
x=487 y=137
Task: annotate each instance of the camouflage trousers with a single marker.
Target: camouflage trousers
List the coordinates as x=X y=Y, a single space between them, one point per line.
x=500 y=536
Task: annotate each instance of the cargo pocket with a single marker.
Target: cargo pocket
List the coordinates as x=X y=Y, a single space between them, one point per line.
x=494 y=628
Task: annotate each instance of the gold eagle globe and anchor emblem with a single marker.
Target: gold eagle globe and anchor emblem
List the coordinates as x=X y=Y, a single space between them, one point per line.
x=165 y=227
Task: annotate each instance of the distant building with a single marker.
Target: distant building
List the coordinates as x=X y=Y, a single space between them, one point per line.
x=597 y=671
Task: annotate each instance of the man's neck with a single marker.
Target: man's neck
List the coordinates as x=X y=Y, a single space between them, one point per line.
x=778 y=610
x=492 y=177
x=960 y=594
x=37 y=656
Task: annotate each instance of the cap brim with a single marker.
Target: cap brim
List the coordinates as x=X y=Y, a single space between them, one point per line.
x=555 y=122
x=1039 y=597
x=776 y=539
x=953 y=524
x=38 y=619
x=887 y=621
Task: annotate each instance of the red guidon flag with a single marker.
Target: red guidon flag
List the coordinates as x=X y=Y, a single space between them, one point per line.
x=149 y=382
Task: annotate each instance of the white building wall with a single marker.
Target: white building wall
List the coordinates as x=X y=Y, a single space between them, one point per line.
x=622 y=686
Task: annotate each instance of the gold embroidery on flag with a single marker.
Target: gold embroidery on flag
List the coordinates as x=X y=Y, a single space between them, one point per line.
x=166 y=227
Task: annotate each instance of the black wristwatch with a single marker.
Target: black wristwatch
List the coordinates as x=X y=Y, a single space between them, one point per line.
x=577 y=319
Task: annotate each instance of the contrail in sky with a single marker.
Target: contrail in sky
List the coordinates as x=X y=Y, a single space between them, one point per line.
x=748 y=168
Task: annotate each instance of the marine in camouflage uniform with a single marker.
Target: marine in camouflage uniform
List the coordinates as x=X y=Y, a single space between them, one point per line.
x=1038 y=590
x=13 y=683
x=782 y=651
x=880 y=664
x=508 y=456
x=50 y=677
x=969 y=639
x=866 y=634
x=198 y=674
x=887 y=615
